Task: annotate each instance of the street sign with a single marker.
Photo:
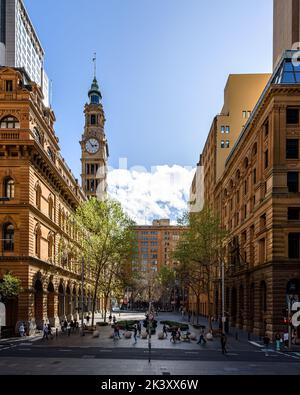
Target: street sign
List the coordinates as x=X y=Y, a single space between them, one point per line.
x=2 y=315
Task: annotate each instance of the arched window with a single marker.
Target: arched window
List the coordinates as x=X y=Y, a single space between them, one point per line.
x=246 y=163
x=38 y=196
x=38 y=236
x=50 y=246
x=50 y=207
x=37 y=135
x=8 y=237
x=9 y=188
x=10 y=122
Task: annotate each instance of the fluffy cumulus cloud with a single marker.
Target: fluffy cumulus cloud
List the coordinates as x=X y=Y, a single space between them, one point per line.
x=161 y=193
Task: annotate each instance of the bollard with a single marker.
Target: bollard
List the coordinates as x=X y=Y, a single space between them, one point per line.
x=56 y=332
x=249 y=336
x=236 y=336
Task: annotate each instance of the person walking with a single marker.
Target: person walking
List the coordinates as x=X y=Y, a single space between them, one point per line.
x=109 y=319
x=202 y=338
x=114 y=319
x=223 y=343
x=173 y=335
x=277 y=341
x=45 y=332
x=22 y=329
x=87 y=319
x=139 y=328
x=50 y=330
x=165 y=331
x=286 y=339
x=135 y=334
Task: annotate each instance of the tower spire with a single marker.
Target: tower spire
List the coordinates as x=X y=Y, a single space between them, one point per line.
x=95 y=64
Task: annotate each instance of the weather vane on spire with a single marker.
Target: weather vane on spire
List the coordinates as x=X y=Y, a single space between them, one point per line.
x=95 y=64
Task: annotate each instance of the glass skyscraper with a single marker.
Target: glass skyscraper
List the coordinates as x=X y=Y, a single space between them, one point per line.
x=19 y=44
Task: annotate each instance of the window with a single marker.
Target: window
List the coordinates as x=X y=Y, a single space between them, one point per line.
x=292 y=149
x=266 y=159
x=294 y=245
x=263 y=221
x=227 y=129
x=222 y=129
x=38 y=241
x=93 y=119
x=292 y=116
x=8 y=237
x=293 y=181
x=50 y=208
x=50 y=246
x=9 y=188
x=37 y=135
x=245 y=211
x=38 y=196
x=293 y=213
x=266 y=128
x=262 y=250
x=227 y=144
x=95 y=99
x=244 y=114
x=254 y=176
x=222 y=144
x=10 y=123
x=51 y=154
x=8 y=85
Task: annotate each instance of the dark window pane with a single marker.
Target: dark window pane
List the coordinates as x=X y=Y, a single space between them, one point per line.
x=9 y=86
x=288 y=66
x=293 y=181
x=293 y=213
x=266 y=159
x=292 y=116
x=294 y=245
x=288 y=78
x=93 y=119
x=292 y=149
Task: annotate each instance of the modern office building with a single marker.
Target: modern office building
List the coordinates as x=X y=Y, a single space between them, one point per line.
x=241 y=94
x=286 y=27
x=156 y=244
x=20 y=46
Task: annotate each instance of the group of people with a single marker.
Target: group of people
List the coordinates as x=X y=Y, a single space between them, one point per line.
x=69 y=326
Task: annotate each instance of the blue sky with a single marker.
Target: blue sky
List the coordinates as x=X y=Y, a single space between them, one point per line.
x=162 y=68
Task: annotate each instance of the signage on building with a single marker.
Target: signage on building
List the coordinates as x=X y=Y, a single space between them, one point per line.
x=296 y=316
x=2 y=315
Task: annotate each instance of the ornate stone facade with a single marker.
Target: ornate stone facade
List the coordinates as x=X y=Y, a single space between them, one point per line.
x=39 y=242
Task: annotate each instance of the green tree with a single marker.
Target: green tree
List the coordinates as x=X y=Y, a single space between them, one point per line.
x=10 y=286
x=199 y=252
x=107 y=242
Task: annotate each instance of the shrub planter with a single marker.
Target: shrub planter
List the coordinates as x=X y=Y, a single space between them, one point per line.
x=161 y=336
x=96 y=334
x=144 y=335
x=127 y=335
x=209 y=336
x=193 y=336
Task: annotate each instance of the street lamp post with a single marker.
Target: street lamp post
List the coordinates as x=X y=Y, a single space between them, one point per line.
x=223 y=296
x=82 y=298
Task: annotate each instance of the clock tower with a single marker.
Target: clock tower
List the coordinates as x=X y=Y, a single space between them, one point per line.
x=94 y=147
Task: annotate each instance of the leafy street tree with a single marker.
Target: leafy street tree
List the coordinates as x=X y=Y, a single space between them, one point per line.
x=107 y=243
x=199 y=252
x=10 y=286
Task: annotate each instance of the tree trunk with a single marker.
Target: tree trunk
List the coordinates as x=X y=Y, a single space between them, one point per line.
x=198 y=308
x=95 y=295
x=105 y=305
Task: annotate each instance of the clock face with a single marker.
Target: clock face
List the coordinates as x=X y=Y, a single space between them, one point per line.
x=92 y=146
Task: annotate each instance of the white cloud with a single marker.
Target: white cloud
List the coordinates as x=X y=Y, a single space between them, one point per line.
x=161 y=193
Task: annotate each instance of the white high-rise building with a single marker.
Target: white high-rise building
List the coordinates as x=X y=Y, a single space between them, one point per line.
x=20 y=45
